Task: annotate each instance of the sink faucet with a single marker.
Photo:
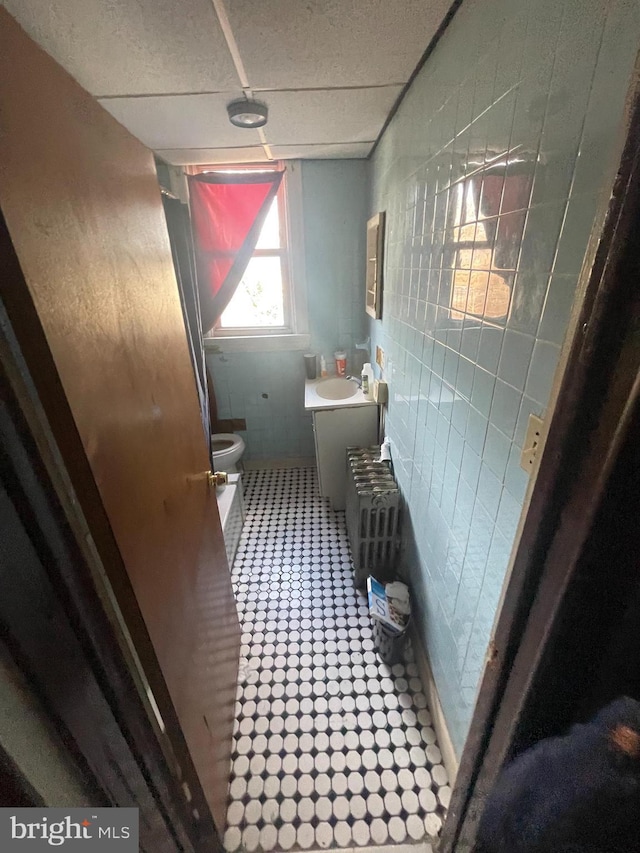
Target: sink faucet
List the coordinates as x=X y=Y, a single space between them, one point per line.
x=356 y=379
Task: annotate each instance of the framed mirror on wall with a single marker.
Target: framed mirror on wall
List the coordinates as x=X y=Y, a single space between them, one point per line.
x=375 y=247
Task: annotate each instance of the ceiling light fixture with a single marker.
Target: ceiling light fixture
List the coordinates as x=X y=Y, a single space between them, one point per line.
x=246 y=113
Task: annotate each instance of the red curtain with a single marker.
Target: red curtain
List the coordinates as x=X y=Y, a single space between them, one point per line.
x=227 y=211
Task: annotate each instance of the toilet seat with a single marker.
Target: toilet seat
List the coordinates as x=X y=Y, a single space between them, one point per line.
x=221 y=442
x=227 y=449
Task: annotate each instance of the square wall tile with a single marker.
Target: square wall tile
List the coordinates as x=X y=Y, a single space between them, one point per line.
x=482 y=390
x=557 y=308
x=476 y=431
x=574 y=235
x=496 y=451
x=490 y=347
x=494 y=162
x=515 y=358
x=542 y=370
x=505 y=407
x=489 y=490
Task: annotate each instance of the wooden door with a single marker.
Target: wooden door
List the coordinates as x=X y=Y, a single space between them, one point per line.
x=81 y=202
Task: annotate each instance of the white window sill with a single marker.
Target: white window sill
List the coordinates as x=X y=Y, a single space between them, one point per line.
x=258 y=343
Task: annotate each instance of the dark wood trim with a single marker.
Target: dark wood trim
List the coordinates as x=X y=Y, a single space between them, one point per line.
x=596 y=403
x=34 y=395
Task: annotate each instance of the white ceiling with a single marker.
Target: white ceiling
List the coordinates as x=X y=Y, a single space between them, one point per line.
x=329 y=70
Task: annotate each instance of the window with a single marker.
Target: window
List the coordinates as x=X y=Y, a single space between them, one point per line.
x=269 y=301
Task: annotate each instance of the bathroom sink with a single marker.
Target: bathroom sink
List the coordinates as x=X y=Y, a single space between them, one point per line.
x=336 y=389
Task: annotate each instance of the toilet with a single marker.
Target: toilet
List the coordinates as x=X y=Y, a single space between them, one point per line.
x=227 y=451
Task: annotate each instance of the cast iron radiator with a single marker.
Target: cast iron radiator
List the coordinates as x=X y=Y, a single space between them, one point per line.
x=372 y=514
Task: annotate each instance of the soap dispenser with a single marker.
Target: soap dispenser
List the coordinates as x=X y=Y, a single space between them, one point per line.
x=367 y=381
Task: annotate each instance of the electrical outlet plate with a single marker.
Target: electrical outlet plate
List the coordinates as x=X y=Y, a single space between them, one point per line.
x=380 y=357
x=531 y=443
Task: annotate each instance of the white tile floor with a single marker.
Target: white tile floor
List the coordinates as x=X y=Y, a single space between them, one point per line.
x=332 y=748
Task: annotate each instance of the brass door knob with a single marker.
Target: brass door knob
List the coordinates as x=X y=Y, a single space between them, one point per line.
x=217 y=478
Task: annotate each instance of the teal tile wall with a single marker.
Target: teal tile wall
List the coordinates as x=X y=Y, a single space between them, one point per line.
x=267 y=388
x=335 y=199
x=490 y=174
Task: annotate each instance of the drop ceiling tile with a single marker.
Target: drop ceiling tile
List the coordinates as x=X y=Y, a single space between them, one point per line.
x=289 y=44
x=352 y=150
x=181 y=121
x=202 y=156
x=328 y=116
x=132 y=47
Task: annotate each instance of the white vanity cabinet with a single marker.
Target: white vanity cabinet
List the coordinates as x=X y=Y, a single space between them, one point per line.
x=342 y=417
x=335 y=430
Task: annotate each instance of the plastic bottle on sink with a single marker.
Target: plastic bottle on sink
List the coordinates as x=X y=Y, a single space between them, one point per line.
x=367 y=381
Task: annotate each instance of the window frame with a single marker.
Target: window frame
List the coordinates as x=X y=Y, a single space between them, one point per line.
x=294 y=333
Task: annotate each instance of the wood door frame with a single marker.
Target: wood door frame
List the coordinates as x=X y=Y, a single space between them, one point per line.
x=95 y=589
x=595 y=405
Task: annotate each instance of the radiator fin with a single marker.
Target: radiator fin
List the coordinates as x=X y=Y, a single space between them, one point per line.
x=372 y=514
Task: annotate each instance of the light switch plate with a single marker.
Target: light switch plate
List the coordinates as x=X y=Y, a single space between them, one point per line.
x=531 y=443
x=380 y=357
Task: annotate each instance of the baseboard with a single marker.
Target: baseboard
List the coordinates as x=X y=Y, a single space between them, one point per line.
x=449 y=757
x=274 y=464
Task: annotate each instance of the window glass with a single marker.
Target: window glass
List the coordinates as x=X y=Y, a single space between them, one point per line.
x=258 y=301
x=270 y=235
